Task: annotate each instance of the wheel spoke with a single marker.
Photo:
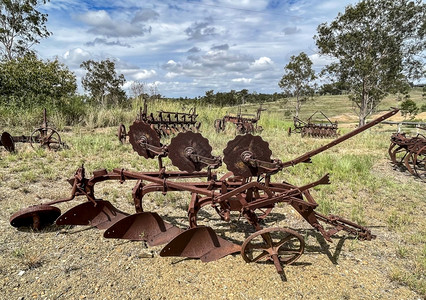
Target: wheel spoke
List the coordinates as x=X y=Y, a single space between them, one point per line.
x=260 y=256
x=282 y=241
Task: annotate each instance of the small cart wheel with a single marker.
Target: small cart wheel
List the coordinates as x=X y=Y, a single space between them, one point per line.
x=46 y=137
x=281 y=245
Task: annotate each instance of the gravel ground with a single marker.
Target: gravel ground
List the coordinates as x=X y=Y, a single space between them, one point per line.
x=78 y=263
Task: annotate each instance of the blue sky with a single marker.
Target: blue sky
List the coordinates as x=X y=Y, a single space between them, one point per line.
x=186 y=48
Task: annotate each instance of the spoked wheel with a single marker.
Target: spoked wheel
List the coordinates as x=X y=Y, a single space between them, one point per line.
x=419 y=162
x=122 y=133
x=281 y=245
x=46 y=138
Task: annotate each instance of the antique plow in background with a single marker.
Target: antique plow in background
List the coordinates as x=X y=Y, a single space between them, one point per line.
x=315 y=129
x=165 y=123
x=247 y=188
x=244 y=123
x=44 y=136
x=409 y=152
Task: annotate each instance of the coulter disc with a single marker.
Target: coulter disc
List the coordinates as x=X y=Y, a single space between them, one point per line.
x=232 y=155
x=186 y=143
x=141 y=134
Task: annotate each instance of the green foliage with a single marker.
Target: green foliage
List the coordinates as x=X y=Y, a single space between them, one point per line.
x=409 y=107
x=423 y=108
x=102 y=82
x=376 y=44
x=21 y=26
x=336 y=88
x=233 y=98
x=298 y=79
x=28 y=82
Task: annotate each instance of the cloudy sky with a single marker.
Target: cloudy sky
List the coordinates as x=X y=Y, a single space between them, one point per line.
x=187 y=47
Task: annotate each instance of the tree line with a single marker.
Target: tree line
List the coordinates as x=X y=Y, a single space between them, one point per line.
x=376 y=47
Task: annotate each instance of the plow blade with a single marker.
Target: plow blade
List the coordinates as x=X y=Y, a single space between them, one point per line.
x=200 y=242
x=36 y=216
x=102 y=215
x=144 y=226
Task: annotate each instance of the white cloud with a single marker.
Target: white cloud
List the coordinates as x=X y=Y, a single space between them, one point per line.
x=75 y=57
x=144 y=74
x=101 y=23
x=262 y=64
x=189 y=47
x=242 y=80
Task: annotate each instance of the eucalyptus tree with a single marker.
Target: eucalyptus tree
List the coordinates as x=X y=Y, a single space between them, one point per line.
x=103 y=83
x=298 y=79
x=21 y=26
x=377 y=47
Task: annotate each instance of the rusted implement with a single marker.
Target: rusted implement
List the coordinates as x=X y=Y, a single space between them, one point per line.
x=244 y=123
x=409 y=152
x=44 y=136
x=312 y=128
x=247 y=188
x=165 y=123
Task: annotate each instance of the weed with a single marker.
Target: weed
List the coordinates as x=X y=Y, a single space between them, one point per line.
x=19 y=253
x=29 y=176
x=397 y=220
x=402 y=252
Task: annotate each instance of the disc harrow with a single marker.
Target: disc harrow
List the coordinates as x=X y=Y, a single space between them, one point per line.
x=44 y=137
x=246 y=188
x=409 y=153
x=315 y=129
x=165 y=123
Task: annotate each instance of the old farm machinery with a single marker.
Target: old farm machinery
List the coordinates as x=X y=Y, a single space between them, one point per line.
x=44 y=136
x=313 y=128
x=409 y=152
x=244 y=123
x=165 y=123
x=247 y=188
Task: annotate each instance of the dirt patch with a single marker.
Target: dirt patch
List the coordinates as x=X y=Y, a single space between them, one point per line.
x=79 y=263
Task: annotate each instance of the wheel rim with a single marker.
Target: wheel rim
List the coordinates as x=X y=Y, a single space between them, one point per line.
x=264 y=244
x=46 y=137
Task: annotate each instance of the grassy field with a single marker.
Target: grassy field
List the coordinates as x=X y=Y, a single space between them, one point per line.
x=365 y=187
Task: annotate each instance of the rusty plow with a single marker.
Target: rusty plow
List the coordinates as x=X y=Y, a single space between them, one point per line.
x=247 y=189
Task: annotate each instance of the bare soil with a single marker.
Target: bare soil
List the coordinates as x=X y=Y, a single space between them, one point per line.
x=78 y=263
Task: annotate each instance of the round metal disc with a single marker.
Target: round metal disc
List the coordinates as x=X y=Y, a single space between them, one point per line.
x=7 y=141
x=142 y=132
x=188 y=141
x=242 y=143
x=35 y=216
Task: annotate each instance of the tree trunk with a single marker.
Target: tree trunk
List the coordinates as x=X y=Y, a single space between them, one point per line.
x=363 y=111
x=297 y=104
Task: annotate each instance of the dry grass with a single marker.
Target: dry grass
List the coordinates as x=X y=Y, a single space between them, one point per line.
x=76 y=263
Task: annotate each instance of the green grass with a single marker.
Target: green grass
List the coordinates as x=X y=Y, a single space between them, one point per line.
x=364 y=188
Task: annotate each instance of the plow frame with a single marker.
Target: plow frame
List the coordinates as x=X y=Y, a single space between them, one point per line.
x=312 y=129
x=244 y=123
x=253 y=196
x=165 y=123
x=409 y=152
